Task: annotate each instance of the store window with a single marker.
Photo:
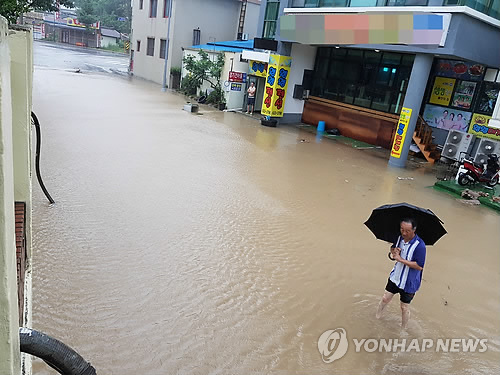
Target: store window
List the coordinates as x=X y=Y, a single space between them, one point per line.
x=460 y=91
x=370 y=79
x=270 y=19
x=487 y=98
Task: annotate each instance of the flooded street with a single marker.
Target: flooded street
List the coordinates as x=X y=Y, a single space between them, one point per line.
x=208 y=244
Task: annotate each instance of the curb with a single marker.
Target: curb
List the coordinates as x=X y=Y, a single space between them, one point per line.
x=456 y=190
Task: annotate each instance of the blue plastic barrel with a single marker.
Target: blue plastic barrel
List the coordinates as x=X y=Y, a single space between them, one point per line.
x=321 y=126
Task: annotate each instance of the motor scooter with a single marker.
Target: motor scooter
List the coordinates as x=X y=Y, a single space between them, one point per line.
x=478 y=173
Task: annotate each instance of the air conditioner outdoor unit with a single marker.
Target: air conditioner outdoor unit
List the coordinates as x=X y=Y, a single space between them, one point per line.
x=244 y=36
x=486 y=147
x=457 y=144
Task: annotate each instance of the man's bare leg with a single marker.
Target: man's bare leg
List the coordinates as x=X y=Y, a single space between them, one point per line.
x=386 y=298
x=405 y=313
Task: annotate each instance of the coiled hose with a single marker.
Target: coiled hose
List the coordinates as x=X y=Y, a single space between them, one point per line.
x=57 y=355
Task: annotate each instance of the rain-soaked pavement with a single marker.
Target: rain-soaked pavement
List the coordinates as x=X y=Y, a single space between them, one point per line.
x=208 y=244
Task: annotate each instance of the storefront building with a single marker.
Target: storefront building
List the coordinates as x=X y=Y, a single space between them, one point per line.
x=357 y=67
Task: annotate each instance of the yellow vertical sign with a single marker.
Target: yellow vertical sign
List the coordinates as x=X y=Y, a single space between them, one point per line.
x=399 y=137
x=441 y=91
x=278 y=75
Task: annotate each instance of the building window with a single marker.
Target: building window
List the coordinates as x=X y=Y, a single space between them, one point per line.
x=196 y=37
x=163 y=48
x=370 y=79
x=166 y=8
x=141 y=4
x=406 y=2
x=270 y=19
x=363 y=3
x=153 y=7
x=151 y=47
x=138 y=46
x=319 y=3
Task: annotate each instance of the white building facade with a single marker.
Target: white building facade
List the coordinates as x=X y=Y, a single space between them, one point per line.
x=191 y=22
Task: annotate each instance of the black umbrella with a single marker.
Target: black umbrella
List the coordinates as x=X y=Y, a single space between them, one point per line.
x=384 y=222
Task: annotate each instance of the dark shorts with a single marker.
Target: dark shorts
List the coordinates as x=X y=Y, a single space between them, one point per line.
x=251 y=101
x=403 y=296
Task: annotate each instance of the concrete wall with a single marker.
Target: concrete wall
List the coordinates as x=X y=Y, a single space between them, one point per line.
x=21 y=56
x=303 y=57
x=21 y=53
x=9 y=319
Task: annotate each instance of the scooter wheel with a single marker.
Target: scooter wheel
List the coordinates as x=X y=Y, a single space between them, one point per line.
x=493 y=181
x=463 y=179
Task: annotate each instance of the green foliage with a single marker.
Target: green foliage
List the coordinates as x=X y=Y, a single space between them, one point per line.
x=107 y=12
x=175 y=71
x=204 y=69
x=12 y=9
x=190 y=85
x=216 y=96
x=115 y=48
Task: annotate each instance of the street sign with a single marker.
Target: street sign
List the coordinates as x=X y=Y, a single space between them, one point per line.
x=237 y=77
x=235 y=86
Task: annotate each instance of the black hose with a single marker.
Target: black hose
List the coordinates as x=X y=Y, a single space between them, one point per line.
x=37 y=156
x=57 y=355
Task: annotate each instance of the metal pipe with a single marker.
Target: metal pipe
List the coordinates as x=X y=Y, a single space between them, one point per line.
x=167 y=46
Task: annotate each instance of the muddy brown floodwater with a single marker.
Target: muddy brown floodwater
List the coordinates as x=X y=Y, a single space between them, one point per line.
x=208 y=244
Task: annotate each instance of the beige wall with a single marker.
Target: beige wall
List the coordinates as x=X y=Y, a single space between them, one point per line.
x=9 y=326
x=21 y=55
x=216 y=19
x=144 y=27
x=234 y=99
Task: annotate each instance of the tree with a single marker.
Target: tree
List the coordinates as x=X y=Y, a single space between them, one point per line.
x=203 y=69
x=12 y=9
x=115 y=14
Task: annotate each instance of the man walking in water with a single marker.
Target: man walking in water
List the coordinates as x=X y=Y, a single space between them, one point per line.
x=251 y=97
x=409 y=253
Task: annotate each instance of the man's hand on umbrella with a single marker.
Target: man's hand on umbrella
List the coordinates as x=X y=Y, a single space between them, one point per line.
x=395 y=251
x=411 y=264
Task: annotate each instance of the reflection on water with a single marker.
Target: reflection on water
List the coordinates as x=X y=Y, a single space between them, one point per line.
x=212 y=245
